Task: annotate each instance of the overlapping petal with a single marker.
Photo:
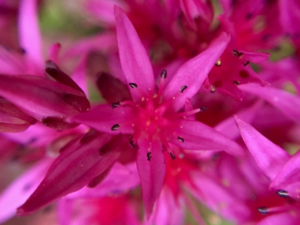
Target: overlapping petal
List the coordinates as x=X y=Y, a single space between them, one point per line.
x=152 y=172
x=71 y=171
x=134 y=59
x=268 y=156
x=198 y=136
x=194 y=72
x=104 y=117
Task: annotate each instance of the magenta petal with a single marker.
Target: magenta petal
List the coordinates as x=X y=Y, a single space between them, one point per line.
x=289 y=104
x=152 y=172
x=255 y=57
x=104 y=117
x=268 y=156
x=134 y=59
x=17 y=192
x=29 y=32
x=194 y=72
x=198 y=136
x=72 y=170
x=289 y=174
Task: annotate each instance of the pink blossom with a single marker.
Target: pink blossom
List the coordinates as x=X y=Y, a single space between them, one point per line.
x=151 y=116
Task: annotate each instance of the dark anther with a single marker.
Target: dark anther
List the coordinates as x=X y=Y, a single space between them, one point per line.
x=203 y=108
x=172 y=155
x=246 y=63
x=131 y=142
x=180 y=139
x=115 y=127
x=283 y=193
x=237 y=53
x=149 y=156
x=183 y=88
x=263 y=210
x=236 y=82
x=163 y=74
x=115 y=104
x=133 y=85
x=218 y=63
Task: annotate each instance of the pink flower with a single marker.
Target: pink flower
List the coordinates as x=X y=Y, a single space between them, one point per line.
x=280 y=168
x=151 y=117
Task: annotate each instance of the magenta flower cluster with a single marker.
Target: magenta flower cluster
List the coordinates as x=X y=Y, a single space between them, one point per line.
x=198 y=103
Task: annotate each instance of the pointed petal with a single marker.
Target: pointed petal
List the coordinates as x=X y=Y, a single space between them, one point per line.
x=198 y=136
x=152 y=173
x=289 y=174
x=71 y=171
x=104 y=117
x=289 y=104
x=42 y=98
x=29 y=32
x=53 y=52
x=268 y=156
x=18 y=191
x=195 y=71
x=134 y=59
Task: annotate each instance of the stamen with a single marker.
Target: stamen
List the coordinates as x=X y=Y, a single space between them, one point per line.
x=180 y=139
x=213 y=89
x=133 y=85
x=263 y=210
x=183 y=88
x=188 y=113
x=149 y=156
x=172 y=155
x=203 y=108
x=236 y=82
x=115 y=127
x=283 y=193
x=163 y=74
x=237 y=53
x=115 y=105
x=246 y=63
x=162 y=108
x=218 y=63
